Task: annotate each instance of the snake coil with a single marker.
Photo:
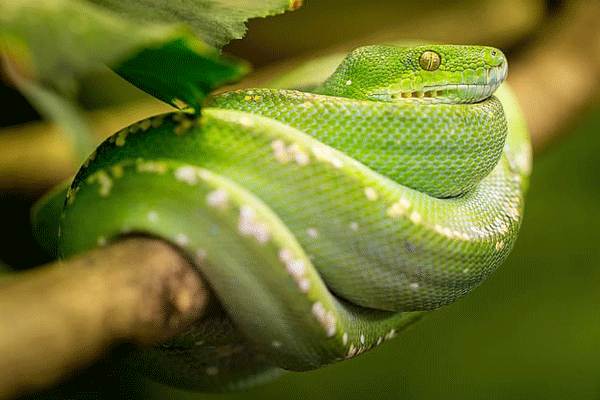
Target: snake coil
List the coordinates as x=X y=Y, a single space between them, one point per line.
x=325 y=221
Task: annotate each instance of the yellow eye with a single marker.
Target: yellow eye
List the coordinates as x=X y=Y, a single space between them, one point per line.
x=430 y=60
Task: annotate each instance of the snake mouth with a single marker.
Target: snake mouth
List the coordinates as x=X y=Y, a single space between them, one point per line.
x=473 y=90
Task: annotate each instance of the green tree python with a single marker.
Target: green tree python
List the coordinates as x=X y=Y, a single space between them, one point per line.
x=325 y=220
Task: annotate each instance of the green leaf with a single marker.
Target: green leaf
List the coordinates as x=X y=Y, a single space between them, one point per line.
x=57 y=41
x=49 y=45
x=216 y=22
x=64 y=110
x=181 y=72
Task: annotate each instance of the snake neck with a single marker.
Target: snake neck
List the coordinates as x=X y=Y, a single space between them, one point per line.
x=455 y=145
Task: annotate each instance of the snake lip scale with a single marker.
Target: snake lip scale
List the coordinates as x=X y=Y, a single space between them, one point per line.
x=442 y=93
x=324 y=221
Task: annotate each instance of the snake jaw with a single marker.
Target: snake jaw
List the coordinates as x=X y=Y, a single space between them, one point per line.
x=450 y=93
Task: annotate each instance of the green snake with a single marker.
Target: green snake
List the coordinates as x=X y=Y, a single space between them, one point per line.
x=325 y=220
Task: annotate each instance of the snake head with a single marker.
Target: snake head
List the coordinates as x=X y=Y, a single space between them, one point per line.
x=427 y=73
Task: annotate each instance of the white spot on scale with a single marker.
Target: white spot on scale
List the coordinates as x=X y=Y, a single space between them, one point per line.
x=362 y=339
x=351 y=351
x=101 y=241
x=105 y=183
x=345 y=338
x=323 y=154
x=304 y=285
x=371 y=194
x=399 y=208
x=122 y=136
x=301 y=158
x=261 y=232
x=391 y=334
x=313 y=233
x=413 y=286
x=145 y=124
x=277 y=145
x=354 y=226
x=182 y=239
x=415 y=217
x=245 y=121
x=285 y=256
x=201 y=255
x=151 y=167
x=280 y=151
x=249 y=226
x=499 y=245
x=326 y=319
x=284 y=154
x=186 y=174
x=152 y=216
x=217 y=198
x=298 y=154
x=336 y=162
x=276 y=344
x=348 y=82
x=296 y=268
x=318 y=310
x=379 y=340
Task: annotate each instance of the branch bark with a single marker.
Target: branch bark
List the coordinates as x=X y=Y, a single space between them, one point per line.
x=64 y=316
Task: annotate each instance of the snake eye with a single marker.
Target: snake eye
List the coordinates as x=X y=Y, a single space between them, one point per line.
x=430 y=60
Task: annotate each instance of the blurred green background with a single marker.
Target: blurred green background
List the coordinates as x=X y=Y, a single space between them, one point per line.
x=530 y=331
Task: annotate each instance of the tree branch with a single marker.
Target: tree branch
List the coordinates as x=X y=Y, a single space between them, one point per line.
x=557 y=76
x=63 y=316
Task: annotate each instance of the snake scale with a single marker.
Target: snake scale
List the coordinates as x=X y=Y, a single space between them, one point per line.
x=325 y=220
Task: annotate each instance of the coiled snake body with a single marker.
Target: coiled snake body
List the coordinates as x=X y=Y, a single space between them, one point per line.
x=324 y=221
